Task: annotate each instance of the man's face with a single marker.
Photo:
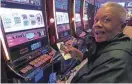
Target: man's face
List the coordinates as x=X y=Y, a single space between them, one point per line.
x=107 y=24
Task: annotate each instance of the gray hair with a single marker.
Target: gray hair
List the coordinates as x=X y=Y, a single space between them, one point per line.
x=120 y=9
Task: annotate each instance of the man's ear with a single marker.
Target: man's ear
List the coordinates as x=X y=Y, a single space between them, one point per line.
x=123 y=25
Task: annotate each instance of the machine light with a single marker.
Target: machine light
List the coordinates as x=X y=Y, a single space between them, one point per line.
x=4 y=46
x=73 y=18
x=52 y=20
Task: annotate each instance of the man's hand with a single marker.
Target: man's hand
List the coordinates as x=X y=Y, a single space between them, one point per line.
x=69 y=47
x=59 y=81
x=74 y=52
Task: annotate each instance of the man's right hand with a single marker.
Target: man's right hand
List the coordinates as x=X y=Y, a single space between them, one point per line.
x=74 y=52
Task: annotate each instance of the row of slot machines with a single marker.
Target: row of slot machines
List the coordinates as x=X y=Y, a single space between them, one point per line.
x=30 y=27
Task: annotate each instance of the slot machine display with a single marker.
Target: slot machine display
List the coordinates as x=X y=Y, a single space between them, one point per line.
x=25 y=39
x=128 y=7
x=86 y=17
x=129 y=13
x=62 y=19
x=78 y=22
x=92 y=10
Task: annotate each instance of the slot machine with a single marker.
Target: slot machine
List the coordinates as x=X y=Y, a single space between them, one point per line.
x=87 y=23
x=87 y=17
x=62 y=16
x=59 y=21
x=62 y=19
x=78 y=20
x=25 y=40
x=78 y=24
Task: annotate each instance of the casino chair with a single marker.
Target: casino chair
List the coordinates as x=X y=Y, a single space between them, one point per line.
x=128 y=31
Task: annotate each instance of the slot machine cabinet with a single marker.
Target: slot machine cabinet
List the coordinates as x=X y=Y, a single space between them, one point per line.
x=79 y=22
x=78 y=17
x=62 y=19
x=25 y=40
x=82 y=16
x=76 y=21
x=60 y=29
x=61 y=12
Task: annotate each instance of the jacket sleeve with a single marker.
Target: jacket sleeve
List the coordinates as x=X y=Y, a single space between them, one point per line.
x=113 y=66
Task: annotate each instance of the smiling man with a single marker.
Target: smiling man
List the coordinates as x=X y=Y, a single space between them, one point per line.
x=108 y=22
x=110 y=59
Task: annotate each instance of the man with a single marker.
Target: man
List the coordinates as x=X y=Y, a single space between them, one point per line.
x=110 y=59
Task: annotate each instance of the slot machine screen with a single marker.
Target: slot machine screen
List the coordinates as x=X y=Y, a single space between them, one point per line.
x=86 y=7
x=61 y=5
x=86 y=15
x=77 y=6
x=129 y=4
x=23 y=27
x=122 y=4
x=129 y=11
x=20 y=19
x=78 y=16
x=62 y=18
x=29 y=2
x=78 y=23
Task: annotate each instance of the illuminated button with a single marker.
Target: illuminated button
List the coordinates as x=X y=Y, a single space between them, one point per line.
x=30 y=35
x=43 y=61
x=26 y=69
x=45 y=58
x=29 y=67
x=31 y=63
x=40 y=63
x=41 y=57
x=36 y=65
x=38 y=53
x=9 y=37
x=35 y=60
x=10 y=40
x=30 y=57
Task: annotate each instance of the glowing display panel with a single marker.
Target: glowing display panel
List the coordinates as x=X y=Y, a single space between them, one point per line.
x=20 y=19
x=86 y=23
x=62 y=17
x=77 y=18
x=29 y=2
x=86 y=7
x=77 y=6
x=61 y=4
